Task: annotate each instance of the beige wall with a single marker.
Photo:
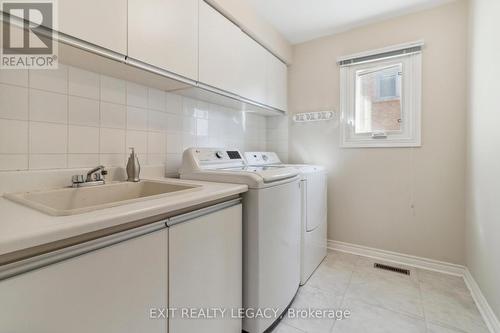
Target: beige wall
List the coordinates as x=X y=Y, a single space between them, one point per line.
x=241 y=12
x=483 y=169
x=397 y=199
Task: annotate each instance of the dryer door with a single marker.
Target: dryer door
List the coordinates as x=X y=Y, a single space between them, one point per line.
x=315 y=200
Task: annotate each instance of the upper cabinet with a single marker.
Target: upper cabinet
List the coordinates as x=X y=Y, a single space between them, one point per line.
x=164 y=33
x=220 y=51
x=103 y=23
x=276 y=73
x=232 y=61
x=184 y=38
x=252 y=61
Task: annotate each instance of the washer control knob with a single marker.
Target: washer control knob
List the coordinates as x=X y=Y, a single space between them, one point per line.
x=265 y=158
x=219 y=155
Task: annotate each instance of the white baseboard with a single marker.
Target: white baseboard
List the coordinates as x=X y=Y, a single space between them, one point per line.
x=430 y=264
x=398 y=258
x=486 y=311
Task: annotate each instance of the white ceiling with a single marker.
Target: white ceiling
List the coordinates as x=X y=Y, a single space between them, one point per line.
x=303 y=20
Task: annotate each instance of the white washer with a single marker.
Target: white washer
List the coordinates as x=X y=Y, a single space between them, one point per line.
x=271 y=227
x=314 y=209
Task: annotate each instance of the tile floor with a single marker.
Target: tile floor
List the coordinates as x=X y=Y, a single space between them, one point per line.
x=381 y=301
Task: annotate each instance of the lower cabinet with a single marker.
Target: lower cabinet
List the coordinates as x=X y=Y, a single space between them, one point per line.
x=194 y=266
x=110 y=290
x=205 y=273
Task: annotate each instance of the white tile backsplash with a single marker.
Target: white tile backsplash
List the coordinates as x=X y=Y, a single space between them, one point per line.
x=13 y=102
x=83 y=140
x=156 y=143
x=188 y=140
x=189 y=125
x=138 y=140
x=156 y=159
x=13 y=162
x=189 y=107
x=174 y=123
x=174 y=103
x=55 y=80
x=137 y=95
x=112 y=141
x=83 y=83
x=13 y=137
x=83 y=160
x=72 y=118
x=157 y=121
x=202 y=127
x=137 y=118
x=156 y=99
x=174 y=143
x=112 y=160
x=113 y=115
x=277 y=136
x=113 y=90
x=83 y=111
x=47 y=161
x=48 y=138
x=173 y=164
x=48 y=106
x=17 y=77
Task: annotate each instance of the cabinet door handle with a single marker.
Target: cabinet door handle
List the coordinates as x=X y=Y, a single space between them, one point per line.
x=30 y=264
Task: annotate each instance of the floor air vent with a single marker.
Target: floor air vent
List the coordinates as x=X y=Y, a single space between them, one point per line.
x=392 y=269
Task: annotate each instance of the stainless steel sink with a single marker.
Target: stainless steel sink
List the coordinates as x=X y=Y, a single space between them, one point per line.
x=70 y=201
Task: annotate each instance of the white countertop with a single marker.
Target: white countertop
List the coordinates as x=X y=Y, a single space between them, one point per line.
x=22 y=227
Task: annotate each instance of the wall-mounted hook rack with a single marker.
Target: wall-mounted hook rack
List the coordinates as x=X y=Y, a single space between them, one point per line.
x=313 y=116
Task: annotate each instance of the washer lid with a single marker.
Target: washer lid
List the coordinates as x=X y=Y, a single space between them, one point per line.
x=268 y=174
x=269 y=158
x=228 y=166
x=305 y=168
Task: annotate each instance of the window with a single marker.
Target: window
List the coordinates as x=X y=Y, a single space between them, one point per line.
x=388 y=83
x=380 y=98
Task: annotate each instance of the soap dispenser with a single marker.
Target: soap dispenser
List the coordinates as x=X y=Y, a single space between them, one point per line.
x=133 y=167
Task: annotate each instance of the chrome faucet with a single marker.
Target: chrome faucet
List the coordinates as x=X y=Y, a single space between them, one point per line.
x=97 y=176
x=94 y=177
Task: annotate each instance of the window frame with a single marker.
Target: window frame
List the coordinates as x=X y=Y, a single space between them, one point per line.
x=411 y=90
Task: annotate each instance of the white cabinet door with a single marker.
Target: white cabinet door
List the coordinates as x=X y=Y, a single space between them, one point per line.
x=230 y=60
x=220 y=50
x=110 y=290
x=252 y=84
x=205 y=270
x=276 y=83
x=99 y=22
x=164 y=33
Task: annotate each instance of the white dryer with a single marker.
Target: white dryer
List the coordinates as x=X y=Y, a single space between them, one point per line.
x=271 y=228
x=313 y=206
